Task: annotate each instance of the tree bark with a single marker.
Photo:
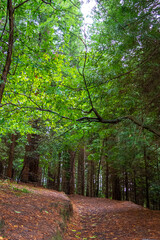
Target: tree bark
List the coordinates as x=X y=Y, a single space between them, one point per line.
x=1 y=169
x=72 y=172
x=146 y=178
x=99 y=169
x=107 y=180
x=30 y=171
x=91 y=179
x=51 y=178
x=116 y=189
x=10 y=48
x=126 y=185
x=135 y=187
x=81 y=169
x=59 y=173
x=11 y=156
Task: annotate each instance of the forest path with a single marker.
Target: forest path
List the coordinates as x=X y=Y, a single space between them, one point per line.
x=101 y=219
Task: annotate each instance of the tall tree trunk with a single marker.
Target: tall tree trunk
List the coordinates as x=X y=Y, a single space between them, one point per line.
x=107 y=180
x=10 y=48
x=11 y=156
x=51 y=178
x=1 y=169
x=116 y=189
x=59 y=173
x=65 y=172
x=126 y=185
x=68 y=173
x=72 y=171
x=81 y=169
x=88 y=178
x=135 y=187
x=91 y=179
x=146 y=178
x=99 y=169
x=30 y=171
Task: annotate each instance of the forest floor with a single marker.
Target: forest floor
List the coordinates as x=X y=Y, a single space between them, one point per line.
x=34 y=213
x=105 y=219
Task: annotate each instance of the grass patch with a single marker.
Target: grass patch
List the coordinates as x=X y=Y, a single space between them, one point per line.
x=19 y=191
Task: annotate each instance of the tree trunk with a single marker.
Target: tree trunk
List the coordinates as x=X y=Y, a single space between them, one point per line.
x=81 y=169
x=10 y=48
x=99 y=169
x=126 y=185
x=91 y=179
x=11 y=157
x=65 y=172
x=146 y=178
x=1 y=169
x=51 y=178
x=68 y=173
x=30 y=171
x=116 y=189
x=72 y=172
x=107 y=180
x=135 y=187
x=59 y=173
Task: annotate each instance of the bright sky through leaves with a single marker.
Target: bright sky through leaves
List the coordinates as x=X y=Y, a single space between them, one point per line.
x=86 y=8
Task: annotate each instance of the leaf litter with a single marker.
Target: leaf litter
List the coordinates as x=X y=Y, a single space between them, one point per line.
x=105 y=219
x=29 y=213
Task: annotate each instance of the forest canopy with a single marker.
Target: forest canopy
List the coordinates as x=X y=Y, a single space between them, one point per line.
x=80 y=104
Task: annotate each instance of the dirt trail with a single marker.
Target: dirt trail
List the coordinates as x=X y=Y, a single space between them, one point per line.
x=102 y=219
x=32 y=213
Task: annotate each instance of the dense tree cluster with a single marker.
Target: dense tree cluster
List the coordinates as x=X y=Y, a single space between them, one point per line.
x=80 y=109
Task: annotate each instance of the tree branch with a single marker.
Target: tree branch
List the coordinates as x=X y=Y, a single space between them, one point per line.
x=118 y=120
x=140 y=124
x=83 y=73
x=34 y=108
x=47 y=2
x=19 y=5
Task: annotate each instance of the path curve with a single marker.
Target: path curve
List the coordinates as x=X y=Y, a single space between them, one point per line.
x=105 y=219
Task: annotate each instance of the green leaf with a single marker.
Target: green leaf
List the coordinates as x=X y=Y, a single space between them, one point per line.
x=1 y=120
x=17 y=211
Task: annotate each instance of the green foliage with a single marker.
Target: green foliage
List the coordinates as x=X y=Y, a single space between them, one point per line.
x=24 y=190
x=58 y=75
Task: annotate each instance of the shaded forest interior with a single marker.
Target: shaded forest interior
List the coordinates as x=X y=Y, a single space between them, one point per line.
x=80 y=106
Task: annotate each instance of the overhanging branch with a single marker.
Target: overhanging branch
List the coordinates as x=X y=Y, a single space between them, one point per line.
x=118 y=120
x=20 y=4
x=33 y=108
